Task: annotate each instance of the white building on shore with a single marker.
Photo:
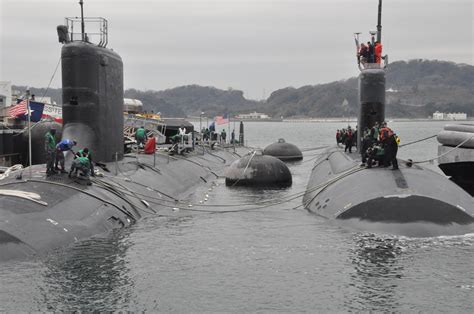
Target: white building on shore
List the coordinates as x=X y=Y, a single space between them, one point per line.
x=439 y=115
x=253 y=116
x=457 y=116
x=449 y=116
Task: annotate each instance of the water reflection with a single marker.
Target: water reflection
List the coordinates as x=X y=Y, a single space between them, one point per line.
x=377 y=270
x=89 y=276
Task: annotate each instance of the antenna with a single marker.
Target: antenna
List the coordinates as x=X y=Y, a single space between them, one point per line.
x=356 y=38
x=379 y=23
x=82 y=21
x=372 y=34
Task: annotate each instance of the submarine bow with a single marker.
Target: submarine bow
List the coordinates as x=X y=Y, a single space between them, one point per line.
x=340 y=189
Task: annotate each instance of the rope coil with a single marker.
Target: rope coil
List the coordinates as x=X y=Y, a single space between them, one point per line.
x=10 y=170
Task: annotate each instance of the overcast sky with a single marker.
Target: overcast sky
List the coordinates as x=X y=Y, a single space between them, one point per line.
x=256 y=46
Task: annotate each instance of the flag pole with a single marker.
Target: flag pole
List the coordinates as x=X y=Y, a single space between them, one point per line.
x=233 y=130
x=228 y=134
x=29 y=129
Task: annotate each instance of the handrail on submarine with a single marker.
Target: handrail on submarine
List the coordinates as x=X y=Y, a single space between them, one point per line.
x=67 y=34
x=368 y=66
x=101 y=30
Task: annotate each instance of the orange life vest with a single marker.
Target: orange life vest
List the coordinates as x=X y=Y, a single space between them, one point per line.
x=385 y=133
x=378 y=52
x=150 y=146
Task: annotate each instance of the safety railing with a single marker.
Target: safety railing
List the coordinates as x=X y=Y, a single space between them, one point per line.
x=96 y=30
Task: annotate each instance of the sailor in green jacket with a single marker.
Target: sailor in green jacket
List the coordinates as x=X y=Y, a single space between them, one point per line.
x=86 y=153
x=80 y=163
x=140 y=137
x=50 y=151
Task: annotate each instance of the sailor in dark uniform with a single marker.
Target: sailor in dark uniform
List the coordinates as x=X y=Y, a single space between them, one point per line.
x=392 y=150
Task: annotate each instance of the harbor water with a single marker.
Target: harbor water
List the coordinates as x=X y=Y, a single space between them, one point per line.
x=236 y=252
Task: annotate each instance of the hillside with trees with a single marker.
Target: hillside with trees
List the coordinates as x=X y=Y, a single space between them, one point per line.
x=191 y=100
x=415 y=89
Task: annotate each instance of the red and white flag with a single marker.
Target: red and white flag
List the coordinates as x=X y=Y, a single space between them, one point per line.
x=18 y=110
x=53 y=112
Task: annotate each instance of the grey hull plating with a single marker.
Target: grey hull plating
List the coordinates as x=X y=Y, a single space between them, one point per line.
x=258 y=170
x=75 y=211
x=340 y=189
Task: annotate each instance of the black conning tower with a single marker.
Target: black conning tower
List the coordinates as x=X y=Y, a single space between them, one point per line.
x=371 y=98
x=372 y=88
x=92 y=87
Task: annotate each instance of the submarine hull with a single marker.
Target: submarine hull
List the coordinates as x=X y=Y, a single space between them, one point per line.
x=339 y=188
x=40 y=213
x=458 y=163
x=66 y=210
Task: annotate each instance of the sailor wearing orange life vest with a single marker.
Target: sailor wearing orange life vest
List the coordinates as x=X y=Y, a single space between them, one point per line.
x=385 y=133
x=378 y=52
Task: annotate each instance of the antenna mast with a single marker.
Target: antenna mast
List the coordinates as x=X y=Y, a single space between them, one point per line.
x=83 y=32
x=379 y=23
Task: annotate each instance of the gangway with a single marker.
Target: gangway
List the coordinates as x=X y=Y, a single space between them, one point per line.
x=152 y=127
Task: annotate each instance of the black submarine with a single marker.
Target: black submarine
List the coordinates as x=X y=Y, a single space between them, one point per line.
x=340 y=189
x=39 y=214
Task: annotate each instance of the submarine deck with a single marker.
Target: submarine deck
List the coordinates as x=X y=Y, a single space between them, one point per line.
x=339 y=187
x=39 y=213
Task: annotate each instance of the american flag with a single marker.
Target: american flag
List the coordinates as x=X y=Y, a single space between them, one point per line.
x=221 y=119
x=18 y=110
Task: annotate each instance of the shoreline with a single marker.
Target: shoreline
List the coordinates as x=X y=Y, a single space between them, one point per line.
x=333 y=120
x=354 y=120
